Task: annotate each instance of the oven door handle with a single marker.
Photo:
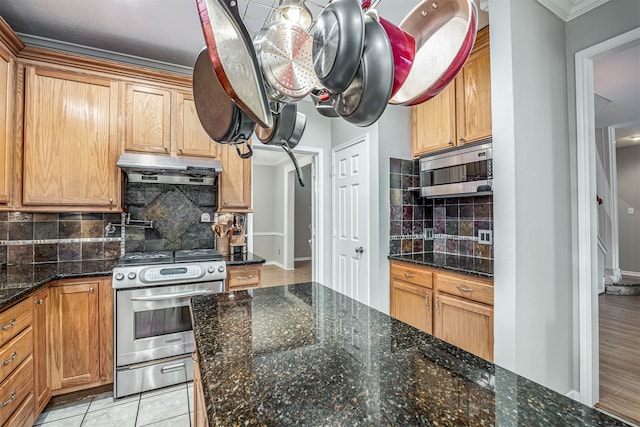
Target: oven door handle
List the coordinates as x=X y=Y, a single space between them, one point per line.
x=171 y=296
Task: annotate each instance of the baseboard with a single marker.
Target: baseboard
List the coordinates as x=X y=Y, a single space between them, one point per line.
x=304 y=258
x=630 y=273
x=573 y=394
x=277 y=264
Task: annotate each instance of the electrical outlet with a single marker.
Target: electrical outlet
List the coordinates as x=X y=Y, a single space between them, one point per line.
x=631 y=211
x=278 y=251
x=205 y=217
x=485 y=237
x=428 y=234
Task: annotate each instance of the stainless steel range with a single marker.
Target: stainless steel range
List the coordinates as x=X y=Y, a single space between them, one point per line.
x=153 y=333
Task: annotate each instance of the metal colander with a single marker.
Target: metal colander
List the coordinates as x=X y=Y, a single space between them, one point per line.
x=285 y=58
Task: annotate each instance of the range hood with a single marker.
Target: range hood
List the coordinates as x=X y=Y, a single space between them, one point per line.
x=152 y=168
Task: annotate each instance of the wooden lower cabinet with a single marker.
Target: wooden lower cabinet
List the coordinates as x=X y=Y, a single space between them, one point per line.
x=455 y=307
x=77 y=317
x=41 y=376
x=465 y=324
x=243 y=276
x=412 y=305
x=199 y=406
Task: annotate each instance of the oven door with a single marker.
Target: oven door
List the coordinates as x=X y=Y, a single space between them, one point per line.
x=155 y=322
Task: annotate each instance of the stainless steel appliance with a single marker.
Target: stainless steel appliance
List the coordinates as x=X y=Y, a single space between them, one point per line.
x=465 y=171
x=153 y=333
x=152 y=168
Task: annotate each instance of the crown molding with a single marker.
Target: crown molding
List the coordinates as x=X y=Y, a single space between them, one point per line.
x=86 y=51
x=10 y=38
x=570 y=9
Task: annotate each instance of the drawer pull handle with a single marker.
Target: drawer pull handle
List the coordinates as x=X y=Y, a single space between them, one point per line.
x=172 y=368
x=245 y=277
x=14 y=355
x=437 y=304
x=409 y=275
x=10 y=325
x=6 y=402
x=460 y=288
x=426 y=302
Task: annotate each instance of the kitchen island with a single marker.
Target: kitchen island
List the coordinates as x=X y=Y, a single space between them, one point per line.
x=306 y=355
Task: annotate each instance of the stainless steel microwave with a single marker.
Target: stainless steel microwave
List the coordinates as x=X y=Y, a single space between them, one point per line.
x=466 y=171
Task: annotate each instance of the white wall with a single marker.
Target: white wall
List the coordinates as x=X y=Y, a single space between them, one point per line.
x=263 y=219
x=629 y=197
x=302 y=220
x=533 y=270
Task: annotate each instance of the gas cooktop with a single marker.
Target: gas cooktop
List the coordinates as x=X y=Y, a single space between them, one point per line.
x=169 y=257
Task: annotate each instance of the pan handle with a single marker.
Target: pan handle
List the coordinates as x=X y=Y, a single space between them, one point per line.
x=287 y=149
x=245 y=155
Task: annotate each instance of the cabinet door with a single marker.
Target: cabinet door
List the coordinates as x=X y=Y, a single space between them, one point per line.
x=465 y=324
x=106 y=331
x=234 y=183
x=191 y=139
x=74 y=334
x=411 y=304
x=199 y=406
x=473 y=97
x=434 y=123
x=42 y=384
x=7 y=67
x=70 y=140
x=147 y=119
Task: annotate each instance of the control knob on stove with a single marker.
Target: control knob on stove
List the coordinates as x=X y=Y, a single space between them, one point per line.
x=221 y=268
x=211 y=269
x=131 y=275
x=119 y=276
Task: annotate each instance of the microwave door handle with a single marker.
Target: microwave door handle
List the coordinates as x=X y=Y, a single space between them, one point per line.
x=171 y=296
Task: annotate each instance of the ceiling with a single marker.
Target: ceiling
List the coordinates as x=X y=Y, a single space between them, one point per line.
x=273 y=158
x=166 y=34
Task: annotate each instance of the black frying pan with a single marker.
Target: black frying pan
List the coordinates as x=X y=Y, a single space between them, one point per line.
x=220 y=117
x=364 y=101
x=338 y=40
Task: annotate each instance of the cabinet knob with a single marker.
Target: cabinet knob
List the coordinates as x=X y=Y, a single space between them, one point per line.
x=40 y=302
x=166 y=149
x=180 y=150
x=90 y=290
x=226 y=202
x=450 y=142
x=110 y=201
x=461 y=140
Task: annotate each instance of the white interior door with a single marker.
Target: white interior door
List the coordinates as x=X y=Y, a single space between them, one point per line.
x=351 y=219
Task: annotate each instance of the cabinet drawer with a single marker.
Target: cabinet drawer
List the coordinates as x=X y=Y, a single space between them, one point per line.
x=246 y=276
x=14 y=320
x=15 y=389
x=15 y=351
x=412 y=274
x=476 y=290
x=24 y=415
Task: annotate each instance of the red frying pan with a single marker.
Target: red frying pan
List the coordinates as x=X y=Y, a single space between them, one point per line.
x=444 y=31
x=233 y=58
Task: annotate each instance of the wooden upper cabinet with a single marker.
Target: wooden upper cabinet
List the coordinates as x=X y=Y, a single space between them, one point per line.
x=147 y=119
x=70 y=140
x=473 y=93
x=234 y=183
x=434 y=122
x=461 y=113
x=7 y=94
x=191 y=138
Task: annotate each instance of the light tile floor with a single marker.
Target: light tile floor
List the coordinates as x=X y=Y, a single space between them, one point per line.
x=170 y=406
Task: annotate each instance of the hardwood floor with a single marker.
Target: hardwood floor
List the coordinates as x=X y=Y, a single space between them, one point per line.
x=273 y=275
x=620 y=356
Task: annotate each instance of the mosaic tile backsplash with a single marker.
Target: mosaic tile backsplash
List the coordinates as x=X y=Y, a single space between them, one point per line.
x=175 y=211
x=455 y=221
x=27 y=238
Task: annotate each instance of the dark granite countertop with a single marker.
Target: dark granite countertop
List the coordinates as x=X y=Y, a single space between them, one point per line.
x=462 y=264
x=243 y=259
x=306 y=355
x=16 y=281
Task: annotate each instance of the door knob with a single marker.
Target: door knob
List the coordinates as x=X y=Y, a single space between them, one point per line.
x=359 y=250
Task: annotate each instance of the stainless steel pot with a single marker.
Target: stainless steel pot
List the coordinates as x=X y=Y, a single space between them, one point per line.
x=283 y=51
